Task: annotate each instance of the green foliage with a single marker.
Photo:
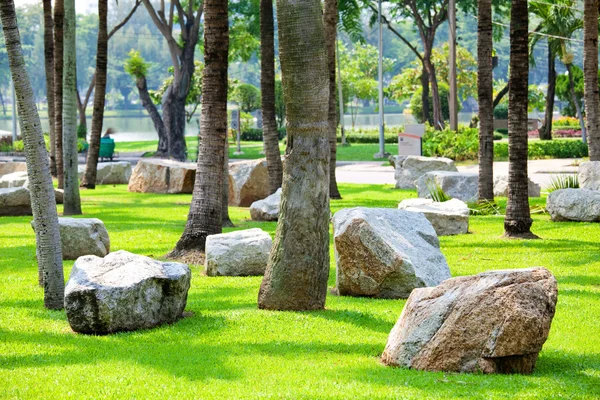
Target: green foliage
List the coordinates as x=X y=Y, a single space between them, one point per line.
x=247 y=96
x=82 y=145
x=256 y=135
x=18 y=146
x=81 y=132
x=536 y=99
x=566 y=122
x=501 y=112
x=563 y=91
x=563 y=181
x=135 y=65
x=436 y=193
x=502 y=131
x=498 y=136
x=460 y=145
x=540 y=149
x=416 y=103
x=484 y=207
x=369 y=135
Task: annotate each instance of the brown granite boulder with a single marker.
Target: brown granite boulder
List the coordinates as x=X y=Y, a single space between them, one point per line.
x=248 y=182
x=162 y=176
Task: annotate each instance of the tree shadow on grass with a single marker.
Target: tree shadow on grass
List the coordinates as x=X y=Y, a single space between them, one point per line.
x=357 y=318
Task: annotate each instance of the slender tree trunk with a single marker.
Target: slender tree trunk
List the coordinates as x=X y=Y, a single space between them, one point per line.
x=49 y=66
x=298 y=267
x=91 y=166
x=81 y=110
x=485 y=90
x=438 y=117
x=517 y=223
x=45 y=217
x=267 y=86
x=546 y=131
x=225 y=204
x=576 y=103
x=159 y=126
x=173 y=107
x=205 y=216
x=500 y=95
x=330 y=19
x=425 y=96
x=72 y=203
x=59 y=16
x=590 y=73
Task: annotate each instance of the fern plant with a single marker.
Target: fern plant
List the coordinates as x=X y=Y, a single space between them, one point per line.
x=484 y=207
x=436 y=193
x=563 y=181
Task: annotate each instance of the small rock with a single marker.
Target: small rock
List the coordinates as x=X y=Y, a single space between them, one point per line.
x=396 y=160
x=448 y=218
x=110 y=173
x=501 y=187
x=574 y=205
x=238 y=253
x=266 y=209
x=15 y=202
x=409 y=169
x=457 y=185
x=248 y=182
x=589 y=175
x=162 y=176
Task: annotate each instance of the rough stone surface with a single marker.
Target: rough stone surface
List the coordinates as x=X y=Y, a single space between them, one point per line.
x=238 y=253
x=385 y=253
x=11 y=167
x=457 y=185
x=266 y=209
x=110 y=173
x=495 y=322
x=409 y=169
x=448 y=218
x=248 y=182
x=162 y=176
x=396 y=160
x=589 y=175
x=501 y=187
x=574 y=205
x=14 y=179
x=15 y=201
x=124 y=292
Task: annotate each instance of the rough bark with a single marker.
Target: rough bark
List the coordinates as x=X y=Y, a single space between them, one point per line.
x=590 y=73
x=330 y=19
x=43 y=205
x=205 y=216
x=267 y=86
x=152 y=111
x=576 y=103
x=72 y=203
x=59 y=17
x=425 y=96
x=485 y=82
x=49 y=67
x=298 y=267
x=438 y=117
x=546 y=130
x=517 y=222
x=225 y=203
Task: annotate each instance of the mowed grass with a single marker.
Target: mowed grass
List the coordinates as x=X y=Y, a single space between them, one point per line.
x=228 y=348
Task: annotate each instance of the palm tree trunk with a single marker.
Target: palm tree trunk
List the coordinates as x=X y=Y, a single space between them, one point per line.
x=49 y=66
x=425 y=96
x=298 y=267
x=45 y=217
x=517 y=223
x=81 y=110
x=173 y=107
x=590 y=72
x=546 y=131
x=151 y=109
x=72 y=203
x=205 y=216
x=59 y=17
x=330 y=19
x=267 y=86
x=91 y=166
x=576 y=103
x=485 y=90
x=225 y=203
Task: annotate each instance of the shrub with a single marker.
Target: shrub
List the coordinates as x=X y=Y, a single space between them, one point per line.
x=502 y=131
x=498 y=136
x=256 y=135
x=18 y=146
x=370 y=135
x=81 y=132
x=501 y=111
x=569 y=122
x=460 y=145
x=82 y=145
x=558 y=182
x=548 y=149
x=416 y=103
x=5 y=143
x=570 y=133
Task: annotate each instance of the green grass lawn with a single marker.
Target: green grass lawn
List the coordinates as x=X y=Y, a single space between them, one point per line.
x=228 y=348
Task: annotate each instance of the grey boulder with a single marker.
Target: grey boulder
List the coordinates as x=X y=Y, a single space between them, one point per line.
x=574 y=205
x=238 y=253
x=248 y=182
x=589 y=175
x=15 y=202
x=409 y=169
x=447 y=218
x=501 y=187
x=457 y=185
x=110 y=173
x=266 y=209
x=14 y=179
x=12 y=166
x=385 y=253
x=124 y=292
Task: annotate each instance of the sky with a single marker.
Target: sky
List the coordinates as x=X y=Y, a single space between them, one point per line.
x=81 y=6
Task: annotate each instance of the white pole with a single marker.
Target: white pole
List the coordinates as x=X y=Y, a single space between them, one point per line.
x=340 y=92
x=381 y=153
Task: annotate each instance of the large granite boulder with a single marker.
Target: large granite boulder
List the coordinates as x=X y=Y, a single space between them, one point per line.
x=494 y=322
x=162 y=176
x=266 y=209
x=457 y=185
x=409 y=169
x=501 y=187
x=248 y=182
x=574 y=205
x=447 y=218
x=15 y=202
x=110 y=173
x=589 y=175
x=124 y=292
x=385 y=253
x=238 y=253
x=14 y=179
x=12 y=166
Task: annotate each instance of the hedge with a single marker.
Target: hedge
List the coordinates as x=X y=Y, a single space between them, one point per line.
x=256 y=135
x=548 y=149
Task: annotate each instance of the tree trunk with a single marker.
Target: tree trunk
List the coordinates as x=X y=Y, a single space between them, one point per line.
x=438 y=117
x=43 y=205
x=49 y=67
x=267 y=86
x=72 y=202
x=576 y=103
x=159 y=126
x=81 y=110
x=590 y=73
x=517 y=223
x=500 y=95
x=330 y=19
x=205 y=216
x=485 y=90
x=425 y=96
x=546 y=131
x=225 y=203
x=173 y=107
x=59 y=16
x=91 y=165
x=298 y=267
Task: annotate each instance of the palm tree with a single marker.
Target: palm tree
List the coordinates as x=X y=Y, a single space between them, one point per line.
x=226 y=221
x=45 y=217
x=590 y=71
x=49 y=66
x=267 y=87
x=517 y=223
x=59 y=19
x=205 y=216
x=72 y=203
x=298 y=267
x=485 y=90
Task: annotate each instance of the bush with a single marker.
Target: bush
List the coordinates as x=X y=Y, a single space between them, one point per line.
x=81 y=132
x=502 y=131
x=82 y=145
x=460 y=145
x=548 y=149
x=498 y=136
x=501 y=111
x=256 y=135
x=567 y=133
x=566 y=122
x=5 y=143
x=371 y=135
x=18 y=146
x=416 y=104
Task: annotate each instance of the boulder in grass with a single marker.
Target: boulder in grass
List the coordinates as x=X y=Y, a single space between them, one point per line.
x=124 y=292
x=385 y=253
x=110 y=173
x=494 y=322
x=238 y=253
x=266 y=209
x=589 y=175
x=457 y=185
x=447 y=218
x=162 y=176
x=11 y=167
x=15 y=202
x=14 y=179
x=409 y=169
x=574 y=205
x=501 y=187
x=248 y=182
